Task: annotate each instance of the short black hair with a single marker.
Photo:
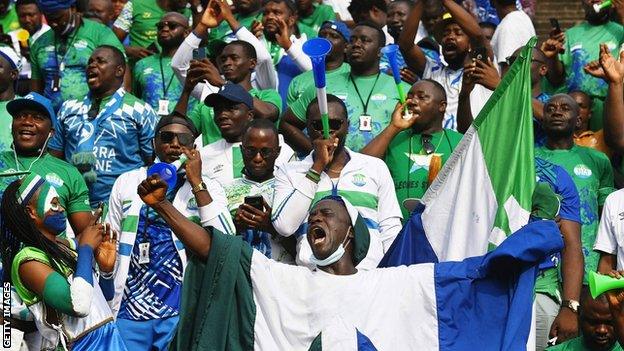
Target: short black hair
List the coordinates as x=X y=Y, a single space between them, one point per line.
x=263 y=124
x=359 y=6
x=249 y=50
x=26 y=2
x=176 y=118
x=441 y=92
x=505 y=2
x=289 y=3
x=118 y=55
x=409 y=3
x=487 y=25
x=331 y=99
x=381 y=34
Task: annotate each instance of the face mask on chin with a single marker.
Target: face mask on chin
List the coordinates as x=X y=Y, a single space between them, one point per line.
x=54 y=220
x=335 y=256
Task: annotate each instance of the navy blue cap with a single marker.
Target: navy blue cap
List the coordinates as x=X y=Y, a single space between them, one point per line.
x=32 y=101
x=51 y=6
x=339 y=27
x=232 y=92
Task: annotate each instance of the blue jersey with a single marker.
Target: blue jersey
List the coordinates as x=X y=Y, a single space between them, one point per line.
x=562 y=184
x=152 y=289
x=121 y=140
x=539 y=137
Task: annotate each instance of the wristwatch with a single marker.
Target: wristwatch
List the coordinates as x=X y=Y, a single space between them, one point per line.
x=199 y=187
x=571 y=304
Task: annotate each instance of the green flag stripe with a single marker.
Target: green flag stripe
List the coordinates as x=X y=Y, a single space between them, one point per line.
x=505 y=123
x=356 y=198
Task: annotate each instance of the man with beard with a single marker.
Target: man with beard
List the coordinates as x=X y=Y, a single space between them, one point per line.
x=369 y=94
x=138 y=20
x=284 y=40
x=154 y=80
x=590 y=169
x=107 y=133
x=59 y=57
x=460 y=33
x=151 y=261
x=312 y=14
x=569 y=53
x=415 y=149
x=334 y=169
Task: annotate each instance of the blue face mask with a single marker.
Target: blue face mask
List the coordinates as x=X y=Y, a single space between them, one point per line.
x=335 y=256
x=56 y=222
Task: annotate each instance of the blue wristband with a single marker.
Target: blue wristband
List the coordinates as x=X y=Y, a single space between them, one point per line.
x=84 y=264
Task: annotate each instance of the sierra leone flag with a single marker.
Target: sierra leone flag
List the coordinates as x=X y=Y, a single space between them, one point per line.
x=483 y=192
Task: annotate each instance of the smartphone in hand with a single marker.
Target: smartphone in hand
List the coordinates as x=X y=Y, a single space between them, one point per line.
x=255 y=201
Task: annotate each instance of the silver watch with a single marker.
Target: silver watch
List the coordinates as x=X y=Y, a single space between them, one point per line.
x=571 y=304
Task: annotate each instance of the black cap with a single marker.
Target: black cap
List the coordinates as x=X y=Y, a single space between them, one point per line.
x=231 y=92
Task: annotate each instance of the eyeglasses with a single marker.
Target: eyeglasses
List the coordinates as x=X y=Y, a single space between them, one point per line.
x=185 y=139
x=171 y=25
x=251 y=152
x=334 y=124
x=427 y=146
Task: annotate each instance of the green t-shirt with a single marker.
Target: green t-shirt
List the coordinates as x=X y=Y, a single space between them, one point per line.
x=581 y=47
x=65 y=178
x=547 y=283
x=382 y=102
x=47 y=56
x=203 y=116
x=409 y=164
x=145 y=15
x=321 y=14
x=224 y=32
x=578 y=344
x=9 y=21
x=6 y=136
x=593 y=176
x=147 y=82
x=306 y=79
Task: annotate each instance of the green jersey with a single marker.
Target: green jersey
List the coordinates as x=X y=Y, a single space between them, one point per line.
x=409 y=164
x=203 y=116
x=65 y=178
x=6 y=136
x=153 y=79
x=300 y=83
x=580 y=49
x=224 y=32
x=9 y=21
x=370 y=101
x=139 y=18
x=578 y=344
x=321 y=14
x=593 y=176
x=65 y=60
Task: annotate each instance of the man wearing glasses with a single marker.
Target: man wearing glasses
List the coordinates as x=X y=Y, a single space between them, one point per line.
x=153 y=78
x=233 y=109
x=151 y=260
x=415 y=148
x=334 y=169
x=250 y=197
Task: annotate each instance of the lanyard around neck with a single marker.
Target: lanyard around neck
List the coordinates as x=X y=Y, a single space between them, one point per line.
x=162 y=75
x=364 y=104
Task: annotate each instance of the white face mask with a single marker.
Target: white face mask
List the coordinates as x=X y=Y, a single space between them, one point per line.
x=335 y=256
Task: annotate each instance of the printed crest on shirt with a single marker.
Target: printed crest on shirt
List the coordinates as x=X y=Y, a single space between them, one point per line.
x=54 y=180
x=81 y=44
x=582 y=171
x=379 y=97
x=359 y=179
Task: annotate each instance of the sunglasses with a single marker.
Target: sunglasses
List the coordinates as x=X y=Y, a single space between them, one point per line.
x=167 y=137
x=427 y=146
x=334 y=124
x=252 y=152
x=171 y=25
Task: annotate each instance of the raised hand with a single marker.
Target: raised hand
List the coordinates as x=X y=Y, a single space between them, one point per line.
x=613 y=68
x=283 y=34
x=152 y=190
x=212 y=16
x=192 y=166
x=485 y=73
x=257 y=28
x=106 y=252
x=92 y=234
x=323 y=152
x=399 y=112
x=205 y=70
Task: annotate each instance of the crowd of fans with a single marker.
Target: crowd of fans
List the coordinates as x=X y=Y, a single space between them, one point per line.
x=93 y=92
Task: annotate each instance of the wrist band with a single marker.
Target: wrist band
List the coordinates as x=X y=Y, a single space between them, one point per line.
x=313 y=176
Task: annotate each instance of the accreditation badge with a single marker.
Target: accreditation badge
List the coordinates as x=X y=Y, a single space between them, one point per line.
x=366 y=123
x=163 y=107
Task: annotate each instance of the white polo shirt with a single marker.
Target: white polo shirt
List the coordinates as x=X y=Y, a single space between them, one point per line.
x=610 y=237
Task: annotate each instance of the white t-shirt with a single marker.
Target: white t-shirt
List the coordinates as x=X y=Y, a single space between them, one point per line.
x=451 y=80
x=219 y=161
x=513 y=32
x=610 y=237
